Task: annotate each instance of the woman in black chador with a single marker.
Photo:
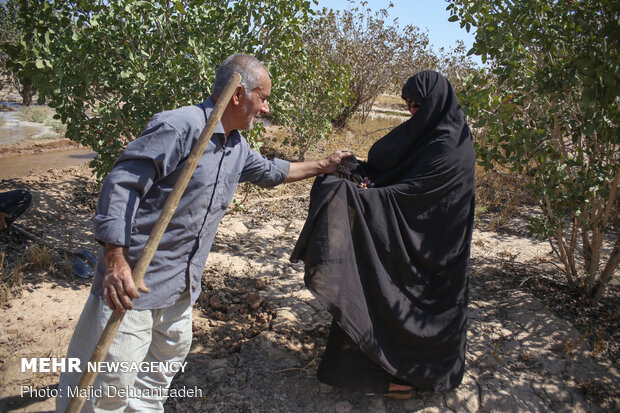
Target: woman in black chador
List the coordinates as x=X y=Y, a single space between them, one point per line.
x=388 y=257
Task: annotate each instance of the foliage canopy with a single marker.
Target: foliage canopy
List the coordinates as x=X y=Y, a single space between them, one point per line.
x=549 y=110
x=107 y=67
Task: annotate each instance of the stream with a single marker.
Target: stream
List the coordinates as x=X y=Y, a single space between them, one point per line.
x=14 y=130
x=21 y=165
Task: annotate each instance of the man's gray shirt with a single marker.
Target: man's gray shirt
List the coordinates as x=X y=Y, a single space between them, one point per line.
x=135 y=191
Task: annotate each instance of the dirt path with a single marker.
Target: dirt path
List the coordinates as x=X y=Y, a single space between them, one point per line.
x=259 y=334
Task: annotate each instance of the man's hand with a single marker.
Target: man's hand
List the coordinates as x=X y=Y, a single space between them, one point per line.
x=3 y=218
x=336 y=160
x=118 y=286
x=303 y=170
x=348 y=165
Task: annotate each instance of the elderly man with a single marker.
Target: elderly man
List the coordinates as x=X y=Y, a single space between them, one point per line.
x=159 y=327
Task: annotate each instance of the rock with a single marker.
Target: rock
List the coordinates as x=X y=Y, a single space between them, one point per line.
x=343 y=407
x=238 y=227
x=434 y=409
x=377 y=405
x=219 y=364
x=264 y=343
x=286 y=316
x=254 y=300
x=413 y=405
x=218 y=303
x=465 y=397
x=261 y=283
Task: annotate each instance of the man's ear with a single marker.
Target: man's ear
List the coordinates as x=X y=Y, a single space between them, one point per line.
x=238 y=95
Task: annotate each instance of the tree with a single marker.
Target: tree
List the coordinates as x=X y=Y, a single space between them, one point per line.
x=107 y=67
x=376 y=53
x=318 y=91
x=550 y=108
x=16 y=56
x=455 y=64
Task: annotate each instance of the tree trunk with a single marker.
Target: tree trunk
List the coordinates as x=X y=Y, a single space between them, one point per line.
x=607 y=274
x=27 y=94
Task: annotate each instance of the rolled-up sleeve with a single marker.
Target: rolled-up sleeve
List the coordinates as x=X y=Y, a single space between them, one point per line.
x=153 y=155
x=119 y=200
x=264 y=172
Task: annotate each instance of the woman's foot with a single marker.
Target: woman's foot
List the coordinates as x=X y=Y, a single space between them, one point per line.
x=399 y=391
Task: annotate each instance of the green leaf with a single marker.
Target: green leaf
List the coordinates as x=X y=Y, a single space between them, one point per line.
x=179 y=7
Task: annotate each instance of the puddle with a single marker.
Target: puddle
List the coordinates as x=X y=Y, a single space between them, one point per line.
x=16 y=166
x=12 y=130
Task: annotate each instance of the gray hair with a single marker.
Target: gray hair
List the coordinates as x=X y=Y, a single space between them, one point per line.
x=247 y=66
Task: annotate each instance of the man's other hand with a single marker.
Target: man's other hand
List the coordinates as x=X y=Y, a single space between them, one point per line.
x=118 y=286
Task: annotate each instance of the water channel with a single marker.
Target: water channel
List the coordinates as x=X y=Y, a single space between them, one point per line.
x=21 y=165
x=13 y=130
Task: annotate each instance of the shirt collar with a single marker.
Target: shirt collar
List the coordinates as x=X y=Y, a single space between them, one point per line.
x=208 y=106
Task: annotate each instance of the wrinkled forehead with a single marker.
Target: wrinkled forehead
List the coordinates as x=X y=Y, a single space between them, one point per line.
x=264 y=82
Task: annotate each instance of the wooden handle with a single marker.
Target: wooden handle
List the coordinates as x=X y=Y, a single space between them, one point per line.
x=107 y=336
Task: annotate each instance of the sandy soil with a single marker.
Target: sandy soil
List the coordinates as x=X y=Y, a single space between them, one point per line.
x=259 y=334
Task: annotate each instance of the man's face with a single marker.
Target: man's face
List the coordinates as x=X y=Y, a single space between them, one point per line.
x=255 y=105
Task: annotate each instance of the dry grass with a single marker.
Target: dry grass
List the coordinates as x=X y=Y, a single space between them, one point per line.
x=500 y=195
x=11 y=280
x=38 y=114
x=391 y=101
x=357 y=137
x=15 y=266
x=39 y=258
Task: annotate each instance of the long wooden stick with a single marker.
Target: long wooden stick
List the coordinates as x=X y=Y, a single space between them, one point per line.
x=107 y=336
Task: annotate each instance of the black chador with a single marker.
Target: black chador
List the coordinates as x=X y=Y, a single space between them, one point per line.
x=389 y=262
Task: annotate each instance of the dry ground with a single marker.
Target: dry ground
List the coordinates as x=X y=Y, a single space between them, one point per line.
x=258 y=334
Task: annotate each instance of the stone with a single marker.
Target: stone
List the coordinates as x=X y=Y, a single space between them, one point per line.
x=465 y=397
x=219 y=364
x=434 y=409
x=413 y=405
x=284 y=318
x=343 y=407
x=218 y=303
x=238 y=227
x=261 y=283
x=254 y=300
x=377 y=404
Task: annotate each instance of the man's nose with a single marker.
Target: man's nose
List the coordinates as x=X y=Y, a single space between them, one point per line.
x=265 y=108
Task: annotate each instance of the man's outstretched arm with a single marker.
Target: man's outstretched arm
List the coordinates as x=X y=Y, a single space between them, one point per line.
x=308 y=169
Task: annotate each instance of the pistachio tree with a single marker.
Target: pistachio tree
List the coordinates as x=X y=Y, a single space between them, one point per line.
x=378 y=53
x=108 y=66
x=550 y=109
x=16 y=57
x=317 y=92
